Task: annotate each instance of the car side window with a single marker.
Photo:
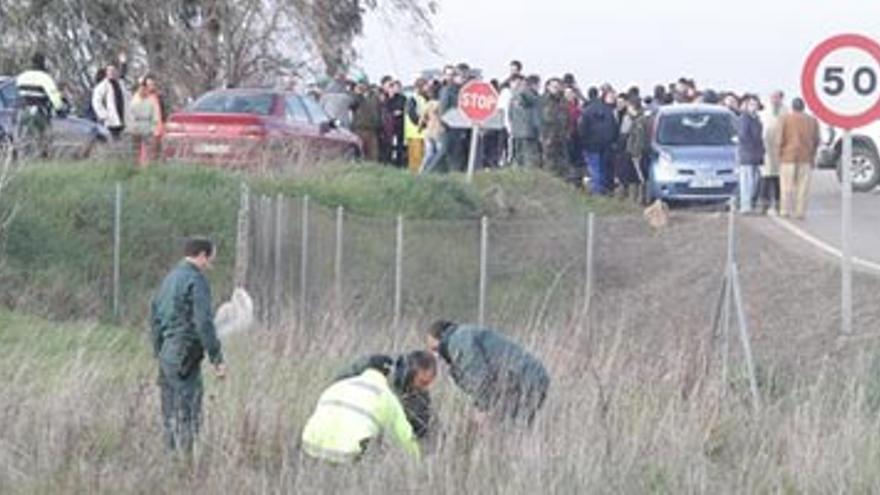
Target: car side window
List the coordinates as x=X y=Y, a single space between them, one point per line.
x=8 y=95
x=295 y=110
x=315 y=110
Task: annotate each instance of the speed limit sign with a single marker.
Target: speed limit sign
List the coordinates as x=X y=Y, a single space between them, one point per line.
x=841 y=85
x=841 y=81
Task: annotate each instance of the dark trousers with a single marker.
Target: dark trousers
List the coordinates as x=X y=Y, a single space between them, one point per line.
x=181 y=407
x=768 y=193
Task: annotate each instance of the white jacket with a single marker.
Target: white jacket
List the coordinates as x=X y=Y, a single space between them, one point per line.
x=104 y=104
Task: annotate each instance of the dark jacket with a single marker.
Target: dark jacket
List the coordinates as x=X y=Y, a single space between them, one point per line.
x=598 y=127
x=182 y=321
x=638 y=141
x=366 y=113
x=416 y=403
x=448 y=98
x=489 y=367
x=751 y=140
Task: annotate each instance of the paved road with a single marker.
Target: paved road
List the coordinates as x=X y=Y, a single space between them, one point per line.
x=823 y=217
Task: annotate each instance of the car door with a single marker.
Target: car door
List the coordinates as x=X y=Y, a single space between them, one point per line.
x=329 y=143
x=300 y=133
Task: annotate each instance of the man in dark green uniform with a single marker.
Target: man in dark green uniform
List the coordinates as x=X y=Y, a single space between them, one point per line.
x=182 y=329
x=554 y=122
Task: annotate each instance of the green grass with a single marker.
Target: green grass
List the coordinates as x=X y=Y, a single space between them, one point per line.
x=57 y=256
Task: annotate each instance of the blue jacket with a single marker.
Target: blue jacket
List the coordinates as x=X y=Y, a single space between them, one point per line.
x=751 y=140
x=486 y=365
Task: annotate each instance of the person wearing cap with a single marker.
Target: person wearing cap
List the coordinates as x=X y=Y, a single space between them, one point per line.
x=505 y=381
x=354 y=412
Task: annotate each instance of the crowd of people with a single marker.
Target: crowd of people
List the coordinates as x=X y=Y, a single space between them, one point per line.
x=601 y=133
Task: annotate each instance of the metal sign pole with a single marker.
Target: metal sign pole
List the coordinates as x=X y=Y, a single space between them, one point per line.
x=846 y=302
x=472 y=157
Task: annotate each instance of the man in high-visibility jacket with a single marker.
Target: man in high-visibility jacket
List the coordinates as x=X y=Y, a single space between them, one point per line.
x=413 y=131
x=353 y=412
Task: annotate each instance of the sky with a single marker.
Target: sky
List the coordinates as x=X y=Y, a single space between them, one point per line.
x=750 y=45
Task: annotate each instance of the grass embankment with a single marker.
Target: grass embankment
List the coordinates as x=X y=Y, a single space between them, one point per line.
x=59 y=249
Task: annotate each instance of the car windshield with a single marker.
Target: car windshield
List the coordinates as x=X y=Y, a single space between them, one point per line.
x=258 y=104
x=696 y=129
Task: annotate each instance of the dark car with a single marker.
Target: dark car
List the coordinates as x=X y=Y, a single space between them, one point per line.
x=246 y=128
x=70 y=137
x=694 y=155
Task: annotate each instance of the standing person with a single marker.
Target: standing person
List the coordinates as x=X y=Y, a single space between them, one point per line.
x=182 y=329
x=433 y=132
x=750 y=152
x=523 y=129
x=355 y=412
x=598 y=131
x=393 y=119
x=638 y=148
x=554 y=122
x=771 y=119
x=366 y=119
x=450 y=151
x=797 y=154
x=413 y=131
x=503 y=379
x=111 y=102
x=146 y=121
x=573 y=116
x=411 y=376
x=505 y=95
x=516 y=71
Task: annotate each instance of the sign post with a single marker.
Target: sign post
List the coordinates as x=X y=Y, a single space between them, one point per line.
x=841 y=85
x=478 y=101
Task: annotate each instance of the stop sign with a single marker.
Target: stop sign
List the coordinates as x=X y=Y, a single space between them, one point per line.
x=477 y=101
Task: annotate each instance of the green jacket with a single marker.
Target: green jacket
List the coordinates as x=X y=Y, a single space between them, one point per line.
x=353 y=412
x=486 y=365
x=554 y=118
x=182 y=320
x=367 y=113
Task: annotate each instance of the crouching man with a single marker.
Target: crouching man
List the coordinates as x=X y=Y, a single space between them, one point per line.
x=502 y=378
x=356 y=411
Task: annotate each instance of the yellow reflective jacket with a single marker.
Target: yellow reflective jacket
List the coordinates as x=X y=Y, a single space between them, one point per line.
x=411 y=129
x=353 y=411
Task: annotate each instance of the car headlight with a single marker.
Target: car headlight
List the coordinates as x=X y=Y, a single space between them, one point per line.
x=664 y=170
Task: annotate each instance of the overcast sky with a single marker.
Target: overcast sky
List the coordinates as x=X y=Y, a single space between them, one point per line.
x=749 y=45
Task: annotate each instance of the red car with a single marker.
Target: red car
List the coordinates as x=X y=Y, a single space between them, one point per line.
x=246 y=128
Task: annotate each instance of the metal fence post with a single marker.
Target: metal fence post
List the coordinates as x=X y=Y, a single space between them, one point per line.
x=588 y=268
x=484 y=260
x=728 y=292
x=398 y=272
x=278 y=281
x=846 y=294
x=304 y=262
x=744 y=335
x=117 y=248
x=242 y=243
x=337 y=260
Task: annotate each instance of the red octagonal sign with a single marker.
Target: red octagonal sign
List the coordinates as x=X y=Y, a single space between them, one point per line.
x=477 y=101
x=841 y=81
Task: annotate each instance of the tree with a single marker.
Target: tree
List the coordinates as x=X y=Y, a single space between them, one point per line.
x=195 y=45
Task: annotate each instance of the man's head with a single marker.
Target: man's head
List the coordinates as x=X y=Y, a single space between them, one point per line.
x=776 y=99
x=569 y=81
x=436 y=332
x=797 y=105
x=448 y=73
x=422 y=87
x=554 y=86
x=200 y=252
x=592 y=93
x=570 y=94
x=731 y=101
x=422 y=369
x=534 y=81
x=112 y=73
x=515 y=67
x=751 y=104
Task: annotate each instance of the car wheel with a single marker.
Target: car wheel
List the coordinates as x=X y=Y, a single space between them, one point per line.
x=865 y=169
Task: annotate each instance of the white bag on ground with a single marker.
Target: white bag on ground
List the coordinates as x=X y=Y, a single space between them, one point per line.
x=235 y=315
